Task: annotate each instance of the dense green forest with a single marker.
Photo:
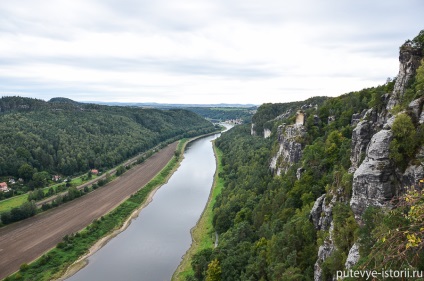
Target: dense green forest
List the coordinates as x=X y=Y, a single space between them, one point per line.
x=263 y=220
x=65 y=137
x=225 y=113
x=268 y=112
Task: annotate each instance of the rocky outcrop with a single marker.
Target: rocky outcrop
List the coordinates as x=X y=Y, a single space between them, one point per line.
x=412 y=175
x=321 y=214
x=372 y=181
x=290 y=148
x=361 y=136
x=267 y=133
x=353 y=256
x=409 y=59
x=375 y=179
x=324 y=251
x=299 y=173
x=252 y=130
x=415 y=107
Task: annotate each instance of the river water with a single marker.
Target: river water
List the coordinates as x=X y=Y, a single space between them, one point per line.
x=151 y=248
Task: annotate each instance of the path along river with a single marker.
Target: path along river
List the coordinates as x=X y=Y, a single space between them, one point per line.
x=151 y=248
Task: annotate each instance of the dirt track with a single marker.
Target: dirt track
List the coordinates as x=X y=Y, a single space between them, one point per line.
x=24 y=241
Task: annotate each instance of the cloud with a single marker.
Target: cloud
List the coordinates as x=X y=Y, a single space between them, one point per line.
x=200 y=51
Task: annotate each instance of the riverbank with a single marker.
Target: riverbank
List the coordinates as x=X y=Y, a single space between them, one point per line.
x=203 y=234
x=53 y=263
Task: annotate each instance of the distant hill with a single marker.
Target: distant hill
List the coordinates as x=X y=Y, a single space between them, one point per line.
x=64 y=100
x=170 y=105
x=66 y=137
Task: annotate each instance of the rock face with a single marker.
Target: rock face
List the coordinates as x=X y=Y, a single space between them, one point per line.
x=375 y=180
x=324 y=252
x=252 y=130
x=361 y=136
x=299 y=173
x=353 y=256
x=267 y=133
x=412 y=175
x=290 y=149
x=321 y=214
x=372 y=181
x=409 y=59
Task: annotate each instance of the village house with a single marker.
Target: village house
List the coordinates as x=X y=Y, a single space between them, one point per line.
x=3 y=187
x=56 y=178
x=94 y=171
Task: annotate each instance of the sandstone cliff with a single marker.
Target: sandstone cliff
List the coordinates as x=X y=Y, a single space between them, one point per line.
x=376 y=180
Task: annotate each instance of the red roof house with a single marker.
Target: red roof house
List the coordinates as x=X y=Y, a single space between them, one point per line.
x=3 y=187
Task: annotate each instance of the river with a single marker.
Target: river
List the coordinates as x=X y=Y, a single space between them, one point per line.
x=150 y=249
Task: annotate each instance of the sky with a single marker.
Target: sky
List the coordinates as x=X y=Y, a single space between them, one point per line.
x=201 y=51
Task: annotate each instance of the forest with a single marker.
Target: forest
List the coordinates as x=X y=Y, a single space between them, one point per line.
x=41 y=139
x=264 y=220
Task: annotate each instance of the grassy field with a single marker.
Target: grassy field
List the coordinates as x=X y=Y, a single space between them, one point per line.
x=203 y=234
x=16 y=201
x=54 y=263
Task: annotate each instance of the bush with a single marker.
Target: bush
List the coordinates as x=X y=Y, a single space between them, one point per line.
x=404 y=141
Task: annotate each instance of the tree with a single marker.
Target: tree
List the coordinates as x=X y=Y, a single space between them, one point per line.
x=214 y=271
x=419 y=79
x=404 y=141
x=40 y=179
x=199 y=263
x=26 y=171
x=120 y=170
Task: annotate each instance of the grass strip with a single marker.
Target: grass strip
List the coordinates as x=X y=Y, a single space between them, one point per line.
x=54 y=263
x=203 y=234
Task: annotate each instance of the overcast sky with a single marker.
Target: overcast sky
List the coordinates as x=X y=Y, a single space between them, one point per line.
x=201 y=51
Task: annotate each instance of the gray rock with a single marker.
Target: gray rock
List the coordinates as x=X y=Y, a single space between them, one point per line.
x=371 y=115
x=290 y=149
x=321 y=214
x=409 y=61
x=331 y=119
x=353 y=256
x=356 y=117
x=267 y=133
x=361 y=136
x=316 y=211
x=299 y=173
x=324 y=251
x=372 y=185
x=379 y=145
x=412 y=175
x=372 y=181
x=416 y=107
x=252 y=130
x=389 y=123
